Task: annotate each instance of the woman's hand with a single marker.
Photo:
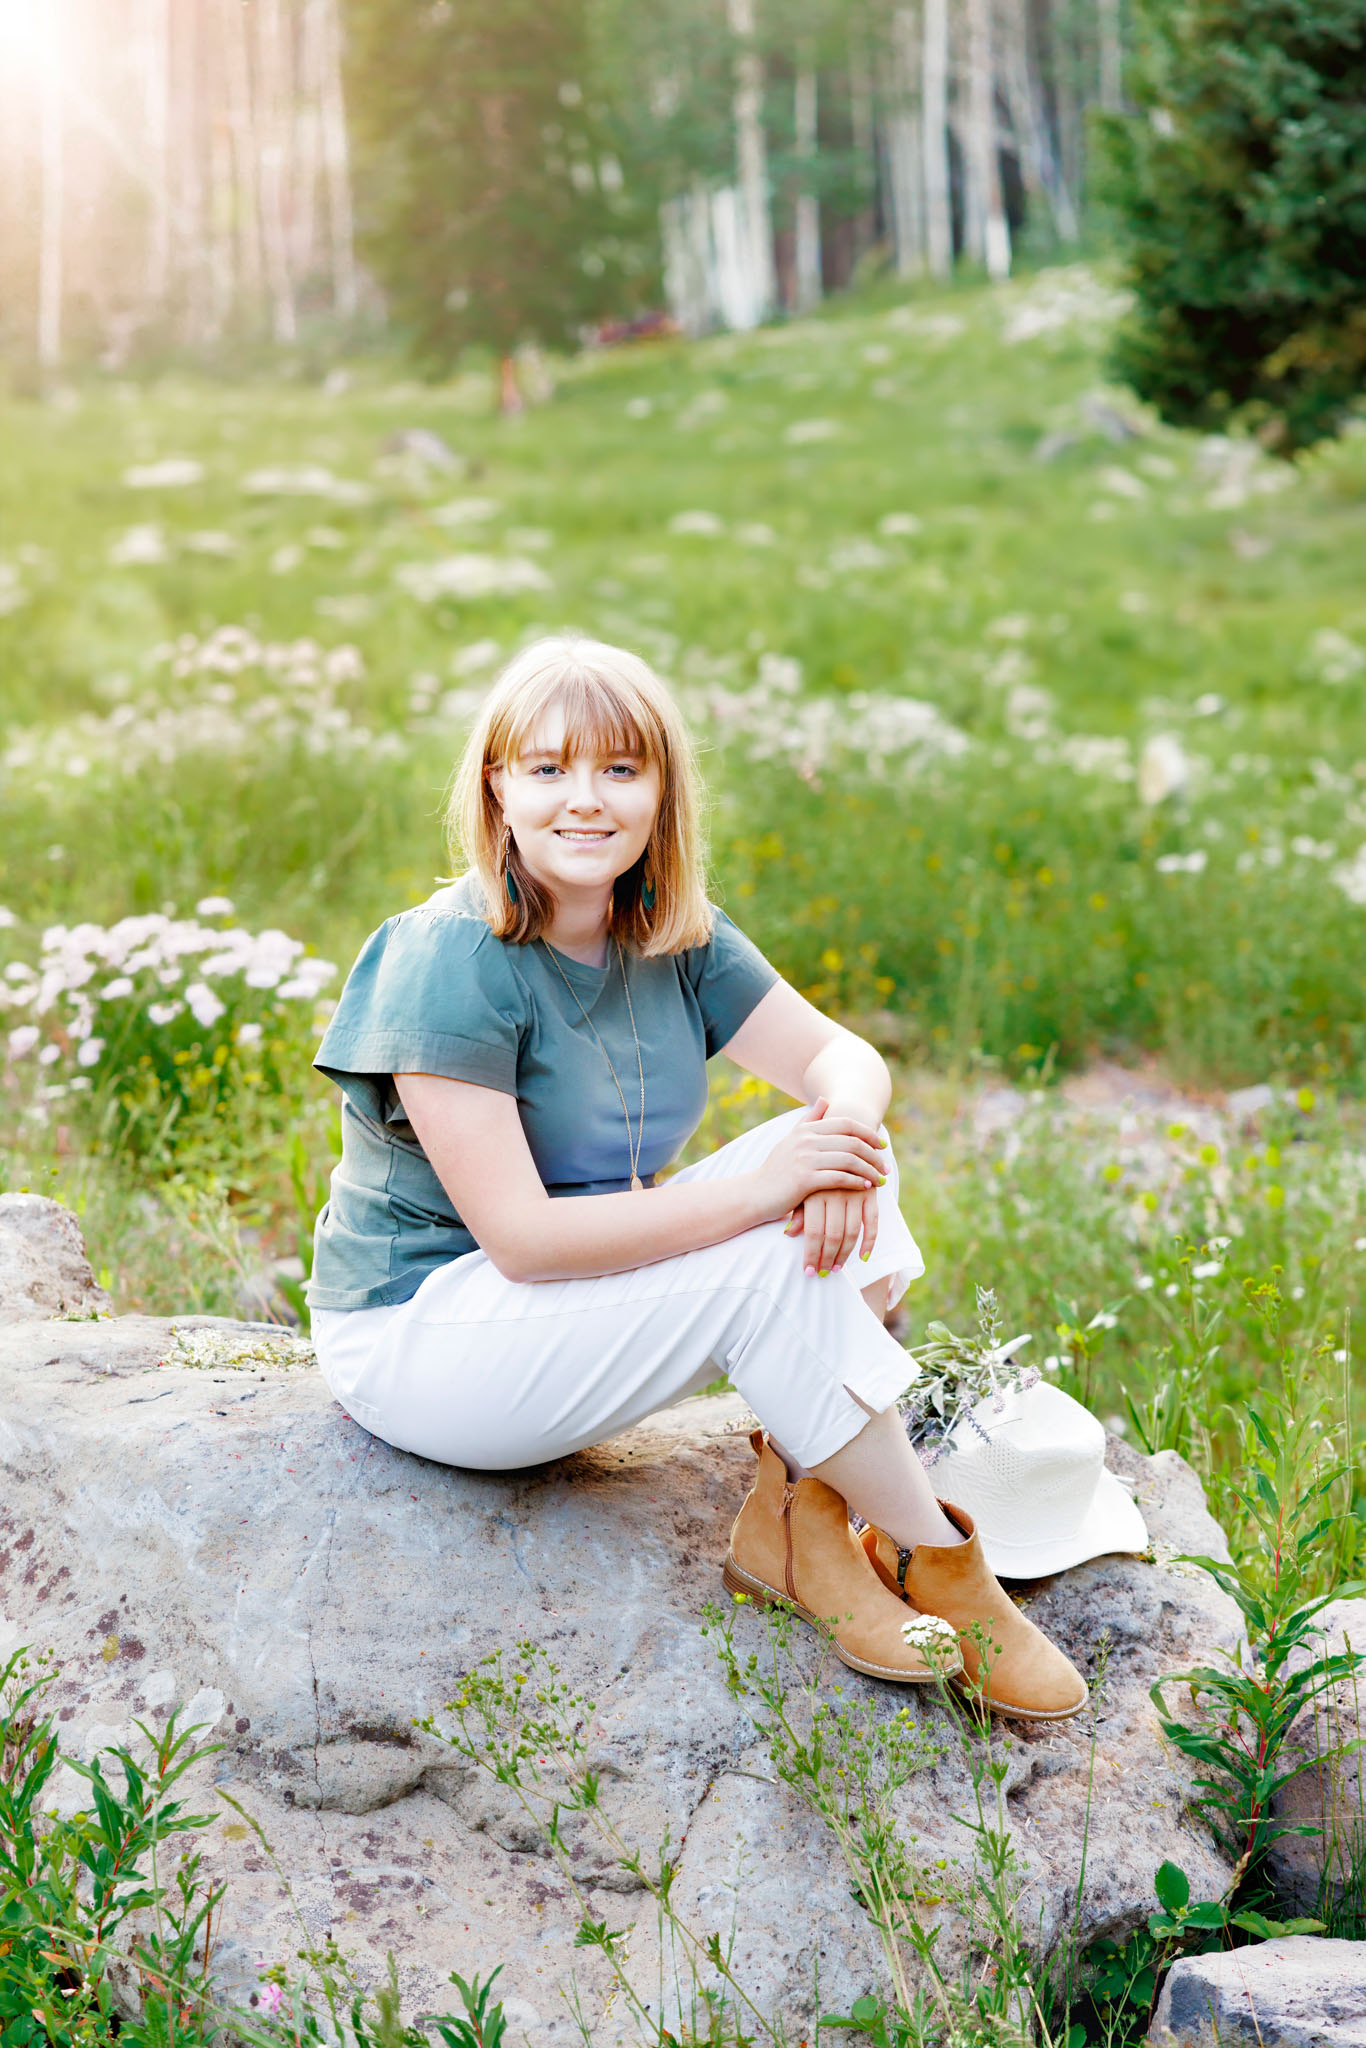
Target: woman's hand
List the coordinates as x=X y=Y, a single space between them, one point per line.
x=823 y=1155
x=829 y=1226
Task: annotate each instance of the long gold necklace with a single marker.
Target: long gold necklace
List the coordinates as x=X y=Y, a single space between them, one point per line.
x=633 y=1144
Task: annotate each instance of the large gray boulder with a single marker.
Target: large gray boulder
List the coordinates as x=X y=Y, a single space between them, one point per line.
x=43 y=1267
x=1298 y=1992
x=1329 y=1795
x=189 y=1520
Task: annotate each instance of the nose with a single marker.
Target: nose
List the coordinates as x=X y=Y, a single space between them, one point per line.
x=582 y=796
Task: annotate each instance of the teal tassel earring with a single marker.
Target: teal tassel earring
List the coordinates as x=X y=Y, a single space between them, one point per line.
x=647 y=893
x=512 y=886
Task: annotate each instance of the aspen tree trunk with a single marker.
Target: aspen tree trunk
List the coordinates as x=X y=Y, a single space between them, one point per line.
x=934 y=133
x=808 y=211
x=905 y=148
x=1029 y=118
x=1065 y=98
x=52 y=208
x=307 y=125
x=241 y=121
x=984 y=166
x=272 y=102
x=1111 y=56
x=155 y=53
x=337 y=169
x=187 y=157
x=752 y=161
x=864 y=131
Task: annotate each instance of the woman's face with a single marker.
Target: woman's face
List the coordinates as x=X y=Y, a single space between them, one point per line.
x=581 y=821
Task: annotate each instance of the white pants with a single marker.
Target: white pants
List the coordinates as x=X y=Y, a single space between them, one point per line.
x=495 y=1374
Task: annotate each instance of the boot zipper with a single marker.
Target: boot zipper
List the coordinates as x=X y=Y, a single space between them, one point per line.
x=903 y=1558
x=789 y=1495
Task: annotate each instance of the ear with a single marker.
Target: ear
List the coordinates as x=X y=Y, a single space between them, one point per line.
x=493 y=775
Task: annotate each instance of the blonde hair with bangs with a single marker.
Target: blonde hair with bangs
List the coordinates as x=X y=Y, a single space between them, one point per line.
x=612 y=701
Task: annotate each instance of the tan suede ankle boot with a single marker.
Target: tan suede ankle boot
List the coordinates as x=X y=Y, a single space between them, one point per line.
x=1026 y=1675
x=792 y=1541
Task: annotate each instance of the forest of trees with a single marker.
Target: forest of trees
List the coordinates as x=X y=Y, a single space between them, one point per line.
x=190 y=174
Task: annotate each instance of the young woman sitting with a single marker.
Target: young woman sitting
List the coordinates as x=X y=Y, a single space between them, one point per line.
x=501 y=1277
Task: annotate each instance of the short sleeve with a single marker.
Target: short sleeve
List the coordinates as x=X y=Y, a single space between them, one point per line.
x=429 y=994
x=729 y=977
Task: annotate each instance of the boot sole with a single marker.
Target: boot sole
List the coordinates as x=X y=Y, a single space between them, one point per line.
x=972 y=1700
x=736 y=1580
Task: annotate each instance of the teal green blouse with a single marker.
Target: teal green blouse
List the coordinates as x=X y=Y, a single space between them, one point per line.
x=434 y=992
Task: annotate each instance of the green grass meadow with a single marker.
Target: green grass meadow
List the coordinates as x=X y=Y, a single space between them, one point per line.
x=1034 y=732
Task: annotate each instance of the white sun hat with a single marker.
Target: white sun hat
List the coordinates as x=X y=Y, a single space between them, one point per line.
x=1029 y=1466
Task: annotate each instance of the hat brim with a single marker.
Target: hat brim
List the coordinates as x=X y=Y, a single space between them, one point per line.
x=1113 y=1524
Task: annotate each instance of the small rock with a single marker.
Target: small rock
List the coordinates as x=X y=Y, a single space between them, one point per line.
x=1107 y=421
x=1330 y=1795
x=1051 y=446
x=43 y=1267
x=426 y=446
x=1298 y=1992
x=1246 y=1103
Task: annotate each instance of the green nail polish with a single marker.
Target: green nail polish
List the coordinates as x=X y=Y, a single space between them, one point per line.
x=865 y=1256
x=883 y=1182
x=822 y=1273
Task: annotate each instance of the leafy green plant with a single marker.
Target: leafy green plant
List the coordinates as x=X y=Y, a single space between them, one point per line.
x=1283 y=1527
x=89 y=1907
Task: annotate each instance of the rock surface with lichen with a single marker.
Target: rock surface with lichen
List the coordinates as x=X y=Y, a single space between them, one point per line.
x=189 y=1521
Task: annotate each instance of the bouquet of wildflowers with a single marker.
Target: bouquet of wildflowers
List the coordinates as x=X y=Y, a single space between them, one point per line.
x=956 y=1373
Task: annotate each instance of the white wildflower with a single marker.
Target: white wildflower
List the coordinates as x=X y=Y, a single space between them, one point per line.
x=210 y=542
x=162 y=1014
x=803 y=431
x=22 y=1041
x=172 y=473
x=1164 y=769
x=1103 y=1321
x=48 y=1054
x=1182 y=863
x=204 y=1004
x=113 y=991
x=214 y=906
x=704 y=523
x=305 y=480
x=480 y=654
x=1121 y=483
x=929 y=1632
x=1208 y=1269
x=755 y=534
x=7 y=918
x=1144 y=1282
x=1334 y=658
x=1350 y=876
x=465 y=511
x=249 y=1034
x=140 y=544
x=87 y=1054
x=471 y=576
x=858 y=554
x=899 y=525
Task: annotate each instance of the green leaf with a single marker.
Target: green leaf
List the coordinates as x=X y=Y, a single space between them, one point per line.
x=1207 y=1913
x=1172 y=1886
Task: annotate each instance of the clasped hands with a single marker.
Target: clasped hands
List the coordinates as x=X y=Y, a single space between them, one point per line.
x=826 y=1173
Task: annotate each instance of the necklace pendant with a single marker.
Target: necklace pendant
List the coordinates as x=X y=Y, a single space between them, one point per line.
x=636 y=1187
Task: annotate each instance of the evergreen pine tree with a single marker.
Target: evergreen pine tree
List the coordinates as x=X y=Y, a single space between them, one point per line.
x=492 y=205
x=1241 y=192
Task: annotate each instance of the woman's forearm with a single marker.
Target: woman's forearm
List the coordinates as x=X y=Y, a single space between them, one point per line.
x=577 y=1237
x=853 y=1078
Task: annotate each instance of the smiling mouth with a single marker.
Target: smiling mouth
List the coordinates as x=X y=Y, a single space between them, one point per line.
x=586 y=838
